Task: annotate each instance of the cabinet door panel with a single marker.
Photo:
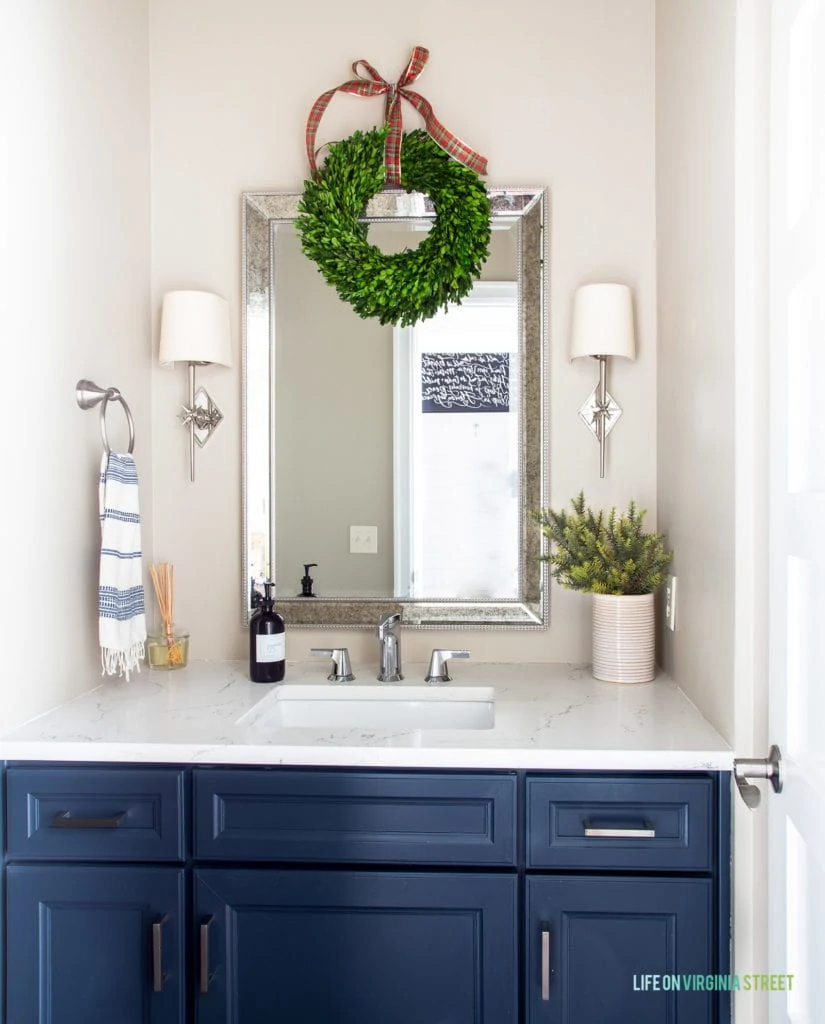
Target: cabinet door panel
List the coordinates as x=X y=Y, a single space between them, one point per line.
x=357 y=947
x=110 y=813
x=82 y=945
x=400 y=818
x=604 y=936
x=677 y=814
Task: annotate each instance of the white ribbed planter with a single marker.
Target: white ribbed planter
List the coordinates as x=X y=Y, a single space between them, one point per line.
x=624 y=640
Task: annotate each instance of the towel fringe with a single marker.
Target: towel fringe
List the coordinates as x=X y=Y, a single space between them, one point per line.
x=122 y=662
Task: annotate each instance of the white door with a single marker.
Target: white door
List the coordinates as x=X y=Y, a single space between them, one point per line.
x=797 y=569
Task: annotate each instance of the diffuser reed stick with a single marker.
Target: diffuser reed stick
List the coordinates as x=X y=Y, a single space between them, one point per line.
x=163 y=580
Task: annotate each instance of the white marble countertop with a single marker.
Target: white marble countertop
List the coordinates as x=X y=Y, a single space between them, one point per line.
x=547 y=716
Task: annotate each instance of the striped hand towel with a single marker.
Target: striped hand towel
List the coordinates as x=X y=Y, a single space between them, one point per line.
x=121 y=605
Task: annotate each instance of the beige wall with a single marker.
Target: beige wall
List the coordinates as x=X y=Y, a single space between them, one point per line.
x=333 y=433
x=553 y=92
x=712 y=87
x=695 y=131
x=76 y=223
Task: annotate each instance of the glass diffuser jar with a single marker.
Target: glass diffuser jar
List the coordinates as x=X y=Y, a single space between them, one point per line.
x=167 y=650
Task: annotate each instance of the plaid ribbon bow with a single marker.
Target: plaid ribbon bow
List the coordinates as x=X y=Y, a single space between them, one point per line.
x=374 y=85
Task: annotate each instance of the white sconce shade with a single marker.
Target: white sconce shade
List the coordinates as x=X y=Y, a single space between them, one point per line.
x=603 y=322
x=195 y=329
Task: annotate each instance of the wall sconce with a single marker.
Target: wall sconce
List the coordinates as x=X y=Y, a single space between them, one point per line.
x=602 y=327
x=194 y=329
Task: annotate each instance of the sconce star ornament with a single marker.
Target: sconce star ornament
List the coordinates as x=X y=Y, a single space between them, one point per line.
x=593 y=412
x=204 y=416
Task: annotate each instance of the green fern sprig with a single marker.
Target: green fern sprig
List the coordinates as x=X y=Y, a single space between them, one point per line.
x=603 y=553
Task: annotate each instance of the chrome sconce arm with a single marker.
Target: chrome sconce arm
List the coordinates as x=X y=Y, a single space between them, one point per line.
x=600 y=412
x=201 y=416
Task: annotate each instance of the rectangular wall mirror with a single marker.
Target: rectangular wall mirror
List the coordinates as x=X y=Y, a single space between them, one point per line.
x=401 y=461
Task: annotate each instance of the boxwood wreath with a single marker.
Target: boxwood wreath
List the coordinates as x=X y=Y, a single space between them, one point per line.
x=404 y=287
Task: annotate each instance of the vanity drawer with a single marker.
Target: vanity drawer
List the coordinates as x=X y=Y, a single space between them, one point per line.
x=107 y=813
x=620 y=823
x=354 y=817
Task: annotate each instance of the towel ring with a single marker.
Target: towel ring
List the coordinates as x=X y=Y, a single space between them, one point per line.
x=89 y=395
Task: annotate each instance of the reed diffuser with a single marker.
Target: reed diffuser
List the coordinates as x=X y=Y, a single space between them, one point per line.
x=167 y=647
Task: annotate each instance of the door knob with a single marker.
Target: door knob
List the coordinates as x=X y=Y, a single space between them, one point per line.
x=745 y=768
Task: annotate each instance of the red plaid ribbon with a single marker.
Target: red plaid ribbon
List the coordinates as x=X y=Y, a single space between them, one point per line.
x=375 y=85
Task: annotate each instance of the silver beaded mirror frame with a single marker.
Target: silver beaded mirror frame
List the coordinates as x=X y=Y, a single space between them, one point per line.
x=524 y=211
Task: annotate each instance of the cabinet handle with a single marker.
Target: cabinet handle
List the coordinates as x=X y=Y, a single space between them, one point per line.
x=647 y=831
x=205 y=954
x=64 y=819
x=157 y=954
x=545 y=962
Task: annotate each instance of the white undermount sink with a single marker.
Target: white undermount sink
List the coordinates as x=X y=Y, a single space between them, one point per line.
x=388 y=706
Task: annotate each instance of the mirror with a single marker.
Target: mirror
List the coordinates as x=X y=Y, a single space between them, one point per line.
x=400 y=460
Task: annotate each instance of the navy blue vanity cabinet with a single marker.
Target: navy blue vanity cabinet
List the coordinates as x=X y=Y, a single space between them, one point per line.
x=294 y=815
x=356 y=947
x=95 y=932
x=592 y=940
x=356 y=897
x=626 y=883
x=247 y=895
x=93 y=945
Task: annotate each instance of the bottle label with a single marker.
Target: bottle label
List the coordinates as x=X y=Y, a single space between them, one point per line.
x=269 y=647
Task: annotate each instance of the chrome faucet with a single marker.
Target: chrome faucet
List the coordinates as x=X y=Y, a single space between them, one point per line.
x=389 y=649
x=437 y=672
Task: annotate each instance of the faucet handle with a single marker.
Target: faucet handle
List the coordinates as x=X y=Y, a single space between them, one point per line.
x=388 y=623
x=341 y=667
x=437 y=672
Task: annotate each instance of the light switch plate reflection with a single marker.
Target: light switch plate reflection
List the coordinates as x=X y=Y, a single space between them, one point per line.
x=363 y=540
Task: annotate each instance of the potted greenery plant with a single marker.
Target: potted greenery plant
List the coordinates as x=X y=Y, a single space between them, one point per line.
x=612 y=557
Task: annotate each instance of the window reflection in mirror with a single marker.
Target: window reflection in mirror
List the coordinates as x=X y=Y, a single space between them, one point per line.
x=456 y=450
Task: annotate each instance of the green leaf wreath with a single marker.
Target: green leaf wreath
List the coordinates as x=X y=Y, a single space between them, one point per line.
x=603 y=553
x=404 y=287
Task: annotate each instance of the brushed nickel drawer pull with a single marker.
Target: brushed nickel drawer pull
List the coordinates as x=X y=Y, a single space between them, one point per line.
x=64 y=819
x=205 y=954
x=157 y=954
x=545 y=962
x=605 y=832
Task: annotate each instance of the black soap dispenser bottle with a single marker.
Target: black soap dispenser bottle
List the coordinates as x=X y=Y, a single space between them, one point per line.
x=267 y=641
x=307 y=581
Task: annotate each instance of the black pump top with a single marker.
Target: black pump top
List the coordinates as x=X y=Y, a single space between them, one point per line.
x=268 y=598
x=306 y=582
